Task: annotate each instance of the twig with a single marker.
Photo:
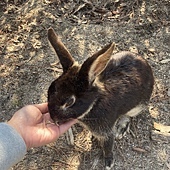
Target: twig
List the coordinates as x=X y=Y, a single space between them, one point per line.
x=139 y=149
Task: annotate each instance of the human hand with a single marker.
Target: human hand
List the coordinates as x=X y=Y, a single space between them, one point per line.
x=34 y=124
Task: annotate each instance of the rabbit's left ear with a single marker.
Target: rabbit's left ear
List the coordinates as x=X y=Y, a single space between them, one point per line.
x=64 y=55
x=94 y=65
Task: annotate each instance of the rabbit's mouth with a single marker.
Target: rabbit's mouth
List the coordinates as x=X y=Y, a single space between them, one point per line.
x=59 y=119
x=59 y=122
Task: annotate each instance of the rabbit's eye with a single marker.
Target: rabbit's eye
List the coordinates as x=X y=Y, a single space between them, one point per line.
x=70 y=101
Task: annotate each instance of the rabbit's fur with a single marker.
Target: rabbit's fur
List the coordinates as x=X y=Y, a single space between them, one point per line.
x=101 y=93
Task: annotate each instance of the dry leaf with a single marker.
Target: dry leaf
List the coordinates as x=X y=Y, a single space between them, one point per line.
x=161 y=127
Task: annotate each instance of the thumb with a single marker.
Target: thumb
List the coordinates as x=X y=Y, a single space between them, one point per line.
x=64 y=127
x=57 y=131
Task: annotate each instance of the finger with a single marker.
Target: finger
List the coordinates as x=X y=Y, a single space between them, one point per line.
x=57 y=131
x=43 y=107
x=47 y=118
x=64 y=127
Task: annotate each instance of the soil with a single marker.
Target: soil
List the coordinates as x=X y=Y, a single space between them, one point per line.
x=28 y=65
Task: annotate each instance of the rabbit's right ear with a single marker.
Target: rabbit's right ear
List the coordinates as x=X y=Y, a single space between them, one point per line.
x=94 y=65
x=64 y=55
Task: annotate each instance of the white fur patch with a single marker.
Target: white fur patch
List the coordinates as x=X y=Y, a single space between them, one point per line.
x=88 y=110
x=135 y=111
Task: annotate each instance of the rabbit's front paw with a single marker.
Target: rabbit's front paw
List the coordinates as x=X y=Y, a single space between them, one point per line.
x=121 y=126
x=109 y=163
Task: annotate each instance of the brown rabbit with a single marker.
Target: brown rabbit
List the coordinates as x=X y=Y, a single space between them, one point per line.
x=102 y=93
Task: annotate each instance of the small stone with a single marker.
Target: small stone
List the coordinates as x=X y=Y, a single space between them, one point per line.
x=165 y=61
x=168 y=92
x=151 y=50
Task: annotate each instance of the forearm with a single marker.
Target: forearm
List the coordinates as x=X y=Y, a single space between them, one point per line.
x=12 y=146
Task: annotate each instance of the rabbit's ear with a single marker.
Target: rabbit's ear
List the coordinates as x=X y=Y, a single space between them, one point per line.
x=64 y=55
x=94 y=65
x=100 y=63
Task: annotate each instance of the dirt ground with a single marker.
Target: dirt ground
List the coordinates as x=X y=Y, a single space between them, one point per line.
x=28 y=65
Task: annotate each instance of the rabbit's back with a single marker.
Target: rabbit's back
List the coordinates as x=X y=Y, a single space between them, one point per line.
x=128 y=75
